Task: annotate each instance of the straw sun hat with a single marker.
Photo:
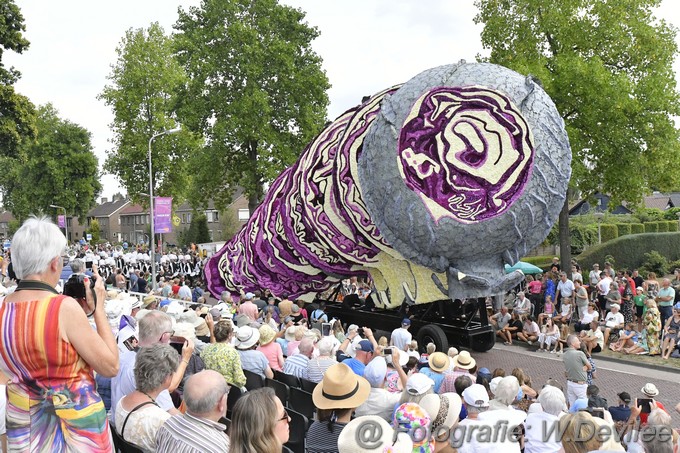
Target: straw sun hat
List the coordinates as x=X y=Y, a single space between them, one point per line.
x=340 y=388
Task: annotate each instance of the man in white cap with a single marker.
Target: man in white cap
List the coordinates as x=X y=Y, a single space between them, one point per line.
x=613 y=322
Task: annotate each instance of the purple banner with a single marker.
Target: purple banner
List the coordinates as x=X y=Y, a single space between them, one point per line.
x=61 y=221
x=162 y=214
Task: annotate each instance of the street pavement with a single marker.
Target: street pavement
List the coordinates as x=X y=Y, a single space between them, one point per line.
x=611 y=377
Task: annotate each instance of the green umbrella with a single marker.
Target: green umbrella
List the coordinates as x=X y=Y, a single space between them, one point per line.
x=526 y=268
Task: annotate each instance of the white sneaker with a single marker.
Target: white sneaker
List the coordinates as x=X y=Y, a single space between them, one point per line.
x=530 y=342
x=552 y=352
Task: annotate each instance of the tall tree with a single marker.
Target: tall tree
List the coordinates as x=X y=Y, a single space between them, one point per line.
x=142 y=83
x=17 y=113
x=607 y=64
x=59 y=167
x=256 y=90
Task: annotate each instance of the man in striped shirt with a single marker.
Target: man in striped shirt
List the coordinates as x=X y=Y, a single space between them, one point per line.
x=199 y=430
x=296 y=365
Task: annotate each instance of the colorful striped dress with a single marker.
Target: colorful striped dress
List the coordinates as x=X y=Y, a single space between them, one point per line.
x=52 y=402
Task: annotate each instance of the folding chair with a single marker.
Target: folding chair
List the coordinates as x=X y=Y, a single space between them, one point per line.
x=307 y=386
x=226 y=422
x=234 y=394
x=301 y=401
x=123 y=446
x=280 y=389
x=298 y=431
x=290 y=380
x=253 y=380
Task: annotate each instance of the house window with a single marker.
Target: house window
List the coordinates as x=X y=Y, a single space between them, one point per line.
x=184 y=218
x=243 y=215
x=210 y=233
x=119 y=221
x=212 y=216
x=189 y=218
x=147 y=219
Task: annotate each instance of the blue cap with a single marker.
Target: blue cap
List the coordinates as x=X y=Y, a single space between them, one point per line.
x=579 y=404
x=364 y=345
x=165 y=302
x=406 y=322
x=677 y=306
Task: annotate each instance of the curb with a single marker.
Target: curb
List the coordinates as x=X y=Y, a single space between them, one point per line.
x=609 y=359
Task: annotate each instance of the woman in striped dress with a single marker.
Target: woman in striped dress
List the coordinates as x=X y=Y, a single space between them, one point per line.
x=49 y=351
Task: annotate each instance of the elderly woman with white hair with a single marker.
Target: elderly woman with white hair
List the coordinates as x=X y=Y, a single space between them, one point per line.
x=50 y=352
x=317 y=366
x=138 y=416
x=552 y=407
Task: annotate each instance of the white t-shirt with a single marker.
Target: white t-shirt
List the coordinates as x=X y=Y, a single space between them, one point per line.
x=590 y=317
x=532 y=328
x=401 y=338
x=597 y=334
x=499 y=438
x=380 y=402
x=537 y=427
x=613 y=319
x=566 y=288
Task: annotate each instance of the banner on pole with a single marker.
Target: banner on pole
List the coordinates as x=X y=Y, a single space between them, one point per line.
x=162 y=214
x=61 y=221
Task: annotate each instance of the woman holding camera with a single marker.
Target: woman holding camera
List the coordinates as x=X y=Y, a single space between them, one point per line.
x=49 y=351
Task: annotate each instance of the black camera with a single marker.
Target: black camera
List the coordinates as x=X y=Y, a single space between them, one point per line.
x=75 y=286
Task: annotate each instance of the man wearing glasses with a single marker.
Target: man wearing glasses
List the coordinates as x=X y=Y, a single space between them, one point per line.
x=155 y=327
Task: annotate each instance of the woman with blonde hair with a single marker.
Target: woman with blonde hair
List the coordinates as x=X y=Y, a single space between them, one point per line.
x=259 y=423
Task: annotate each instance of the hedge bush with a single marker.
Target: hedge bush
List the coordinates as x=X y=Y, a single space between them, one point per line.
x=672 y=226
x=629 y=251
x=651 y=227
x=608 y=232
x=637 y=228
x=624 y=228
x=542 y=261
x=663 y=226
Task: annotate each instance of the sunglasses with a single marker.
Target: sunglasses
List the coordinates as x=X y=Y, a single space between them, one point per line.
x=285 y=416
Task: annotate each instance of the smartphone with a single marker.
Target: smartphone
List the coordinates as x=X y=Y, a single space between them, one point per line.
x=326 y=329
x=387 y=351
x=645 y=404
x=177 y=340
x=88 y=264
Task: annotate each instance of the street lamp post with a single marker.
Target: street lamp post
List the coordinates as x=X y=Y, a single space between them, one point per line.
x=153 y=245
x=599 y=216
x=65 y=219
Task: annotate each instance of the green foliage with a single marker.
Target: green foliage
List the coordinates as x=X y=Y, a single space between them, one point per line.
x=654 y=262
x=59 y=167
x=662 y=226
x=542 y=261
x=671 y=214
x=608 y=232
x=672 y=225
x=17 y=113
x=623 y=228
x=651 y=227
x=197 y=232
x=141 y=94
x=581 y=236
x=608 y=67
x=95 y=231
x=675 y=264
x=13 y=226
x=649 y=214
x=628 y=251
x=637 y=228
x=229 y=225
x=256 y=90
x=610 y=259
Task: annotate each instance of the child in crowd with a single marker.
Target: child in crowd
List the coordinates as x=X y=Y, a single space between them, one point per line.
x=548 y=310
x=550 y=334
x=564 y=317
x=562 y=341
x=640 y=347
x=627 y=338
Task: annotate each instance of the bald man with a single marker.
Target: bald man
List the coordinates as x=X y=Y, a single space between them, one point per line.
x=199 y=430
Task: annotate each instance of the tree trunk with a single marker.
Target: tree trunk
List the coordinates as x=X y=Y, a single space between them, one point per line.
x=565 y=239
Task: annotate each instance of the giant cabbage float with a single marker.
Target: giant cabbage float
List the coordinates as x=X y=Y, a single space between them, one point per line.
x=430 y=187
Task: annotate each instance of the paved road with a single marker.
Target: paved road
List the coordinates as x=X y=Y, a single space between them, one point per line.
x=611 y=377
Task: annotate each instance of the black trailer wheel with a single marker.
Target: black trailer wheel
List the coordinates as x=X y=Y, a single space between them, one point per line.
x=432 y=334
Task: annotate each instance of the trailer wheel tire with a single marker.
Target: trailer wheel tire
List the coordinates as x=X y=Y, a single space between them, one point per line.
x=432 y=334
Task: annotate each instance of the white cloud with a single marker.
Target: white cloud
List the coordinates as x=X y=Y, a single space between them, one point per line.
x=366 y=46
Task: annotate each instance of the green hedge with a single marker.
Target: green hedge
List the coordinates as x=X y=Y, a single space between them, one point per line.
x=608 y=232
x=629 y=251
x=651 y=227
x=663 y=226
x=624 y=228
x=542 y=261
x=637 y=228
x=672 y=225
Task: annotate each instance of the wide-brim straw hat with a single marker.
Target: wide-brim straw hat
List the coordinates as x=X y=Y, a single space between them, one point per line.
x=439 y=362
x=340 y=388
x=349 y=440
x=267 y=334
x=443 y=409
x=247 y=337
x=464 y=361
